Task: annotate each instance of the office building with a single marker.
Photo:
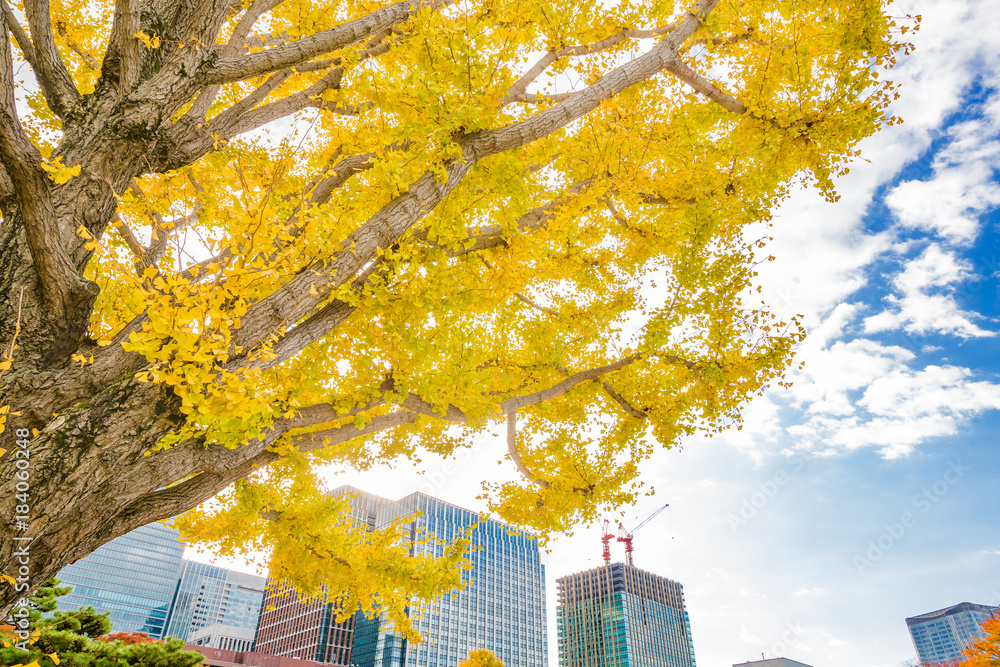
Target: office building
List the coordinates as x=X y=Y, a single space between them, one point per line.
x=773 y=662
x=620 y=616
x=215 y=657
x=942 y=635
x=215 y=607
x=133 y=576
x=501 y=608
x=307 y=628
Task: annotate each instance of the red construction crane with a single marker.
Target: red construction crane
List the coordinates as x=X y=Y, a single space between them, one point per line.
x=606 y=537
x=626 y=535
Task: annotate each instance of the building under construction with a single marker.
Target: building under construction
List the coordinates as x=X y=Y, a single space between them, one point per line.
x=620 y=616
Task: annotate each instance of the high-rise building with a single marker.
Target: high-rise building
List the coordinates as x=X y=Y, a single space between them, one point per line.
x=307 y=628
x=501 y=608
x=942 y=635
x=620 y=616
x=133 y=576
x=215 y=607
x=773 y=662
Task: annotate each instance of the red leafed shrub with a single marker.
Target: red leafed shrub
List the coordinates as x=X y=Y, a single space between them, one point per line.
x=129 y=638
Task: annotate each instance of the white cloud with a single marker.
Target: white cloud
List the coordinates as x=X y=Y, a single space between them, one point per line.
x=832 y=375
x=962 y=187
x=899 y=409
x=808 y=592
x=933 y=390
x=950 y=204
x=919 y=310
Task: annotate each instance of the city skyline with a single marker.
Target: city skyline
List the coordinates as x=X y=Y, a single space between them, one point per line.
x=152 y=550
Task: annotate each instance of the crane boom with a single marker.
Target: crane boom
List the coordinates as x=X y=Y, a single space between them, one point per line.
x=625 y=535
x=649 y=518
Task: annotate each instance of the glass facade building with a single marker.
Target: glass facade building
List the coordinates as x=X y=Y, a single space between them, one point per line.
x=133 y=576
x=307 y=628
x=216 y=607
x=620 y=616
x=942 y=635
x=501 y=608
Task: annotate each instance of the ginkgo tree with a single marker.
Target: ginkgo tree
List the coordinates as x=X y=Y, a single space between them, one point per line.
x=247 y=240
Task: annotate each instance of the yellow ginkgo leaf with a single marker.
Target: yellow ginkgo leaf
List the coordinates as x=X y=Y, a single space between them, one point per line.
x=149 y=42
x=58 y=172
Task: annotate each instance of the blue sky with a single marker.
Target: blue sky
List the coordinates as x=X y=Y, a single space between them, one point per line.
x=789 y=535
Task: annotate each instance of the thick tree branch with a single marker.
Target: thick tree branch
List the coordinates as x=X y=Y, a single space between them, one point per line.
x=306 y=291
x=229 y=465
x=128 y=17
x=314 y=327
x=229 y=69
x=484 y=238
x=53 y=78
x=322 y=413
x=662 y=57
x=518 y=92
x=515 y=454
x=243 y=117
x=130 y=240
x=683 y=71
x=531 y=98
x=23 y=41
x=311 y=287
x=622 y=401
x=247 y=21
x=417 y=404
x=91 y=61
x=235 y=45
x=566 y=385
x=63 y=289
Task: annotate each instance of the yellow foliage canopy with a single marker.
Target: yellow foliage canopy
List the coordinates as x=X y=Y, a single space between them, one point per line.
x=481 y=658
x=367 y=231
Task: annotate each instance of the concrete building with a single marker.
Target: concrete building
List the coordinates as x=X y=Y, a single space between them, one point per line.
x=942 y=635
x=307 y=628
x=220 y=658
x=133 y=576
x=620 y=616
x=773 y=662
x=216 y=607
x=502 y=607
